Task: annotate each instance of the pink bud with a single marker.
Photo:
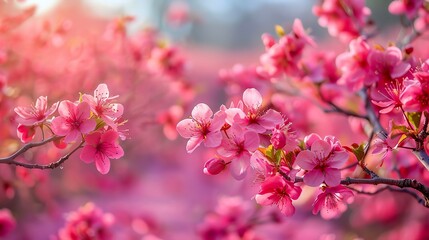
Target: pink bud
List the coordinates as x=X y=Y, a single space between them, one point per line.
x=214 y=166
x=278 y=139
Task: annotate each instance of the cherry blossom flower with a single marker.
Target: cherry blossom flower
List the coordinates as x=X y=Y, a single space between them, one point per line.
x=343 y=18
x=88 y=222
x=25 y=133
x=165 y=61
x=417 y=93
x=238 y=147
x=202 y=128
x=276 y=190
x=7 y=222
x=407 y=7
x=34 y=115
x=255 y=119
x=387 y=64
x=101 y=104
x=283 y=137
x=101 y=147
x=393 y=99
x=322 y=164
x=332 y=201
x=74 y=119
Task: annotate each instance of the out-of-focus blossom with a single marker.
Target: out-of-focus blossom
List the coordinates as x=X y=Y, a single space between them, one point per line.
x=165 y=61
x=7 y=222
x=343 y=18
x=169 y=119
x=406 y=7
x=88 y=222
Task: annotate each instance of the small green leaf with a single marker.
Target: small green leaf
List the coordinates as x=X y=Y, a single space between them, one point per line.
x=414 y=118
x=357 y=150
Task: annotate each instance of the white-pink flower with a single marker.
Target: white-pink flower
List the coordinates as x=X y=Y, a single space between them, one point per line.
x=238 y=147
x=73 y=121
x=322 y=163
x=254 y=118
x=101 y=104
x=201 y=127
x=34 y=115
x=332 y=202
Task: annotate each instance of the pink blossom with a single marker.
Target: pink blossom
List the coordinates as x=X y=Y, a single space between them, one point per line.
x=25 y=133
x=238 y=147
x=416 y=96
x=7 y=222
x=254 y=118
x=74 y=120
x=262 y=166
x=332 y=201
x=407 y=7
x=393 y=99
x=101 y=104
x=101 y=147
x=343 y=18
x=214 y=166
x=165 y=61
x=202 y=128
x=322 y=163
x=387 y=64
x=36 y=114
x=88 y=222
x=276 y=190
x=169 y=119
x=354 y=66
x=422 y=21
x=283 y=137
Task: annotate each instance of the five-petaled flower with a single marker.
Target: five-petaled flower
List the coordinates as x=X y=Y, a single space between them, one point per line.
x=202 y=128
x=332 y=201
x=276 y=190
x=101 y=104
x=74 y=120
x=322 y=163
x=101 y=147
x=34 y=115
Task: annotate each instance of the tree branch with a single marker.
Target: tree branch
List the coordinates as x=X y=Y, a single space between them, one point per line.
x=11 y=159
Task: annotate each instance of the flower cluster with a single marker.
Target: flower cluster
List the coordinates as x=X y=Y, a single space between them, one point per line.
x=93 y=121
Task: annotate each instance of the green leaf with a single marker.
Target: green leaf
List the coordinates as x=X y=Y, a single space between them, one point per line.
x=414 y=118
x=357 y=150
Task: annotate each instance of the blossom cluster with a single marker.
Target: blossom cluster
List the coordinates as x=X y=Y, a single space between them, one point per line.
x=93 y=120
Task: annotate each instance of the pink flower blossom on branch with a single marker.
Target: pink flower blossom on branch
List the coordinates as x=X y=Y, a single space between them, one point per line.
x=276 y=190
x=202 y=128
x=332 y=201
x=101 y=147
x=36 y=114
x=74 y=120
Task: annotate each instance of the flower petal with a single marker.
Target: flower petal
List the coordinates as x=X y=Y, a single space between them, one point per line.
x=252 y=99
x=102 y=163
x=314 y=178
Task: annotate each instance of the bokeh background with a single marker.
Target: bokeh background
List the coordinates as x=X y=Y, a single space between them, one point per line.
x=157 y=190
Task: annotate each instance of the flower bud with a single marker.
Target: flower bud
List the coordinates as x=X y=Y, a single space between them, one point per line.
x=214 y=166
x=278 y=139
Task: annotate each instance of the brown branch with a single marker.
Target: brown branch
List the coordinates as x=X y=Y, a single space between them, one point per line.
x=401 y=183
x=10 y=160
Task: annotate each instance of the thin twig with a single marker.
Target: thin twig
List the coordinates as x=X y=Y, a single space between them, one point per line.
x=25 y=148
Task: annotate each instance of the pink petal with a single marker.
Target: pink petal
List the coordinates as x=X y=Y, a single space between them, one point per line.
x=239 y=167
x=42 y=103
x=213 y=139
x=202 y=112
x=252 y=99
x=332 y=177
x=52 y=109
x=71 y=136
x=264 y=199
x=251 y=141
x=270 y=119
x=87 y=126
x=102 y=163
x=193 y=143
x=306 y=160
x=114 y=152
x=60 y=126
x=101 y=92
x=83 y=111
x=319 y=203
x=186 y=128
x=66 y=108
x=400 y=70
x=321 y=148
x=314 y=178
x=286 y=207
x=88 y=154
x=338 y=159
x=93 y=139
x=115 y=111
x=109 y=136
